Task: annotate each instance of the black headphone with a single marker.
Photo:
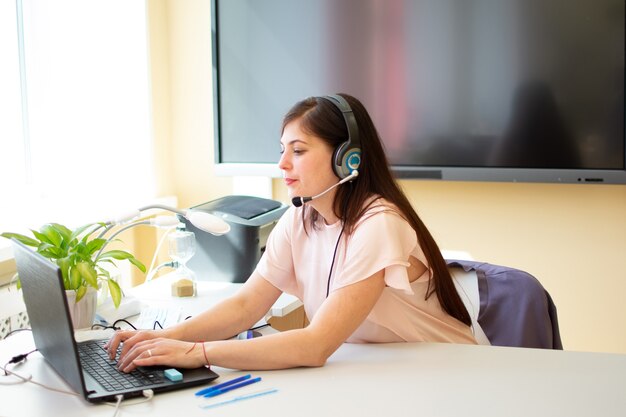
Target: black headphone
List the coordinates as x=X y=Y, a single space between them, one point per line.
x=347 y=156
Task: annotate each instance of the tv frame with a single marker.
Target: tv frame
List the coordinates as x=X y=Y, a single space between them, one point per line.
x=441 y=173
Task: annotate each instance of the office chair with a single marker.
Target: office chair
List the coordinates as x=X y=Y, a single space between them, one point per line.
x=513 y=307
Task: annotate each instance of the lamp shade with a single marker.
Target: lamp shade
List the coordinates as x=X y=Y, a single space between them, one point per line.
x=207 y=222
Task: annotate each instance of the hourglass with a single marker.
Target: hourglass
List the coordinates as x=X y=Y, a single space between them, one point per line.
x=182 y=246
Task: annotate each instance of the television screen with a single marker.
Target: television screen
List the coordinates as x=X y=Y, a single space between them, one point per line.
x=506 y=90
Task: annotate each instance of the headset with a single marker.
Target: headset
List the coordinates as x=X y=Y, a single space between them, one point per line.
x=347 y=156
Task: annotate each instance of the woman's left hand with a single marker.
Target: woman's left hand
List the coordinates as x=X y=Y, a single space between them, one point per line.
x=161 y=351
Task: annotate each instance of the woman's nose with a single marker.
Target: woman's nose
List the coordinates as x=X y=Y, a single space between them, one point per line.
x=283 y=162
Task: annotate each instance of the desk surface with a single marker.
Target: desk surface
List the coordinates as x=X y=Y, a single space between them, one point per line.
x=362 y=380
x=373 y=380
x=158 y=293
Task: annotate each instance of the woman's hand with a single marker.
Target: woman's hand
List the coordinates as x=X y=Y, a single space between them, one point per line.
x=128 y=339
x=162 y=351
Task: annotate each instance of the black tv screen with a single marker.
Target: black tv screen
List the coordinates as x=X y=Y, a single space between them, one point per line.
x=487 y=90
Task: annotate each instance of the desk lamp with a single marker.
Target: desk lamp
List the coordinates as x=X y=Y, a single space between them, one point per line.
x=202 y=220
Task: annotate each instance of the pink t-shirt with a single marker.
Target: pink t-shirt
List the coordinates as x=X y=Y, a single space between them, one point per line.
x=298 y=264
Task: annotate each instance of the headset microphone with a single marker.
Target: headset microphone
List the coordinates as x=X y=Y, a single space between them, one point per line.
x=299 y=201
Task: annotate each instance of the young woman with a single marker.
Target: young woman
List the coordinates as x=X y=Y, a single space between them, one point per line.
x=356 y=254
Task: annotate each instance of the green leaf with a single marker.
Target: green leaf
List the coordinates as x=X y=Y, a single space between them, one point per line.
x=94 y=245
x=103 y=272
x=80 y=292
x=105 y=290
x=64 y=232
x=42 y=238
x=116 y=292
x=80 y=248
x=75 y=278
x=116 y=254
x=52 y=252
x=109 y=261
x=137 y=263
x=28 y=241
x=88 y=273
x=44 y=246
x=78 y=257
x=80 y=230
x=64 y=263
x=52 y=234
x=122 y=255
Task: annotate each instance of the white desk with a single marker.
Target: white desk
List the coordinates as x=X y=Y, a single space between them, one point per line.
x=402 y=379
x=157 y=293
x=377 y=380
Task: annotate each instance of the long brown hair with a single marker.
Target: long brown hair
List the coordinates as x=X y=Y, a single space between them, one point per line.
x=320 y=118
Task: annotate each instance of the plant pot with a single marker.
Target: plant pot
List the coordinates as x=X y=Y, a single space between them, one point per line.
x=83 y=313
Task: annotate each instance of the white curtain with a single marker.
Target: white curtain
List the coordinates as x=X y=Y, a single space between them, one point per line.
x=81 y=149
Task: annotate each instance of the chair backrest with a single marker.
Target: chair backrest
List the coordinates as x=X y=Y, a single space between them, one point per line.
x=515 y=309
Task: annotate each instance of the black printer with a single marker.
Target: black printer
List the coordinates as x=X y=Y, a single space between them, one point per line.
x=232 y=257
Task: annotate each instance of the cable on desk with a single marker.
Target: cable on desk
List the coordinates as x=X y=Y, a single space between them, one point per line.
x=20 y=380
x=12 y=332
x=29 y=378
x=16 y=359
x=123 y=321
x=260 y=327
x=114 y=326
x=147 y=393
x=119 y=398
x=150 y=273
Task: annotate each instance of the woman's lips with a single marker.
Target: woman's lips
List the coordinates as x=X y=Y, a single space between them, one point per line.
x=289 y=181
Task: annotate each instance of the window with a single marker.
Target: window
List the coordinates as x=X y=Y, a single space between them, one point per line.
x=81 y=149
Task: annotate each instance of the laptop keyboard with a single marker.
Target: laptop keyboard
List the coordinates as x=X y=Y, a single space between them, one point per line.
x=95 y=360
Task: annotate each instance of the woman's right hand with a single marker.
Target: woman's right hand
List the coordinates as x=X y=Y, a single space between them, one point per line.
x=128 y=339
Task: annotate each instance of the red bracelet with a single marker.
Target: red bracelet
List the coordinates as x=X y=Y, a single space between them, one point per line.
x=208 y=365
x=194 y=345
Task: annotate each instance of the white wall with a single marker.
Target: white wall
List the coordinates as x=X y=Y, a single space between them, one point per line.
x=571 y=237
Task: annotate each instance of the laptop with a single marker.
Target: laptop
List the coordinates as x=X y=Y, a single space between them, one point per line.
x=51 y=324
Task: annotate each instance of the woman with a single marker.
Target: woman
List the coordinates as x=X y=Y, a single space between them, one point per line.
x=358 y=256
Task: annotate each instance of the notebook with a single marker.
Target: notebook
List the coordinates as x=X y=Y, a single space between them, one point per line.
x=46 y=304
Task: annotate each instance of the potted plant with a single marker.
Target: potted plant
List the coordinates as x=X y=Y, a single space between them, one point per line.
x=81 y=259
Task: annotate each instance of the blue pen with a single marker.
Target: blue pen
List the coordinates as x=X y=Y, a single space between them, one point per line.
x=222 y=385
x=241 y=398
x=231 y=387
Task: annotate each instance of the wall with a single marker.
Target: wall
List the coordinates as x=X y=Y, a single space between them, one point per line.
x=572 y=237
x=181 y=59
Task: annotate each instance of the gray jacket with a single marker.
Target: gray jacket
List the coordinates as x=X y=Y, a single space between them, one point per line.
x=515 y=309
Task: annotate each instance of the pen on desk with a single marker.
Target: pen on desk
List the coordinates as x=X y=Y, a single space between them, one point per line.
x=220 y=391
x=222 y=385
x=241 y=398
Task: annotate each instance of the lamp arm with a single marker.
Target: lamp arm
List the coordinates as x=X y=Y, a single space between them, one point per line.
x=107 y=227
x=125 y=217
x=163 y=207
x=118 y=232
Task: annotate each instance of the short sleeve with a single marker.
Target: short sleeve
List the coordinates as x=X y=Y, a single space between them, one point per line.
x=383 y=240
x=276 y=264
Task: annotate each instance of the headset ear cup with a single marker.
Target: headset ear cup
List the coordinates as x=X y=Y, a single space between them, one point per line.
x=337 y=161
x=346 y=159
x=353 y=159
x=347 y=156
